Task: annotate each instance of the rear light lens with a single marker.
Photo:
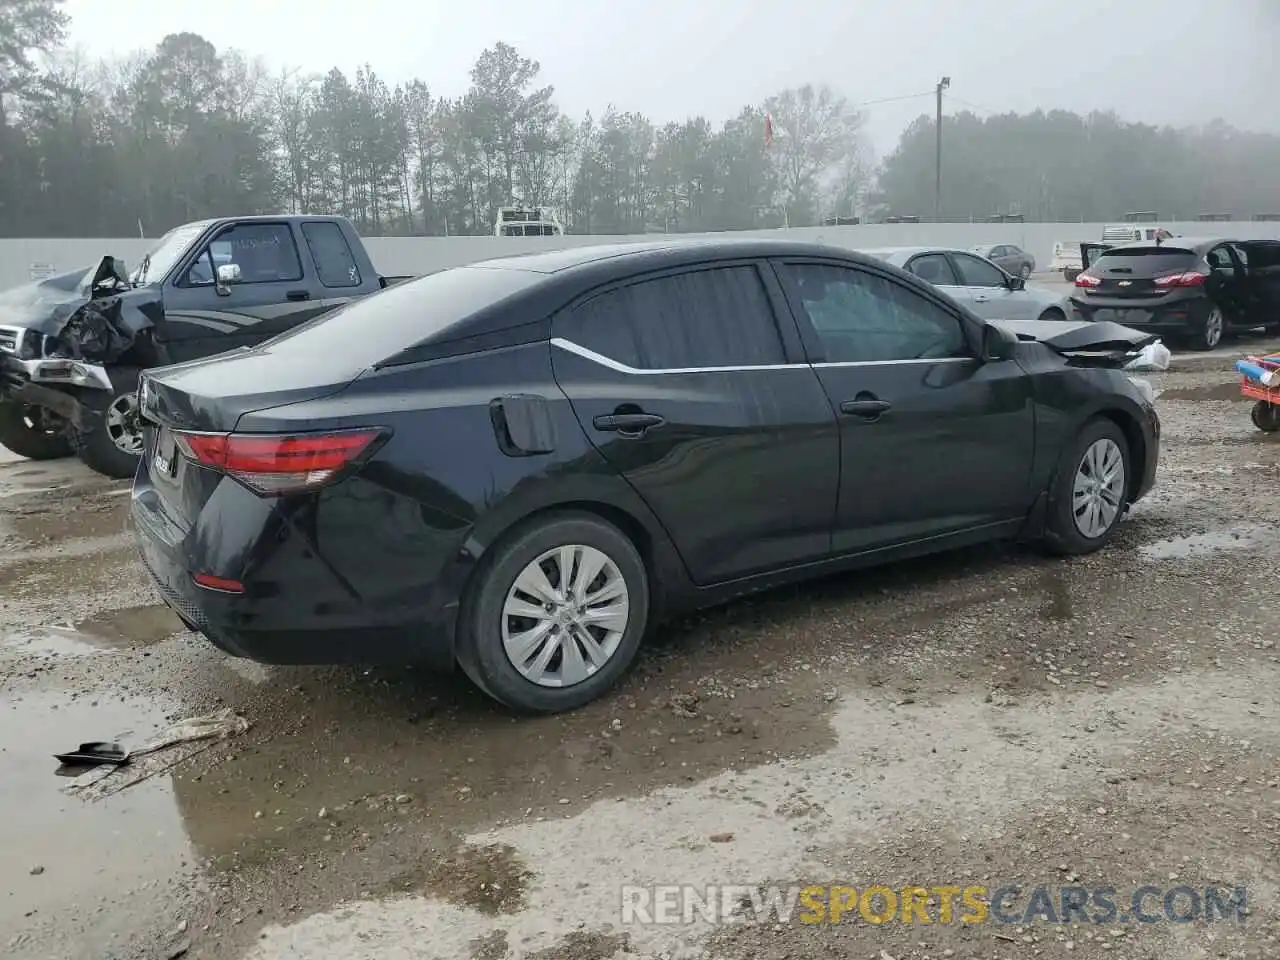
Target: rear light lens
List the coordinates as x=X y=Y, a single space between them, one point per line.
x=1087 y=280
x=275 y=464
x=1190 y=279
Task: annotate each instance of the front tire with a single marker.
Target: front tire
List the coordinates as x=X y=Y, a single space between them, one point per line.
x=1053 y=314
x=556 y=615
x=1210 y=333
x=1025 y=272
x=1265 y=416
x=33 y=432
x=110 y=440
x=1090 y=493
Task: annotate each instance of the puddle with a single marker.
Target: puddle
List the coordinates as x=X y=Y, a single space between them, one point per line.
x=1058 y=596
x=108 y=630
x=67 y=862
x=1204 y=544
x=1221 y=391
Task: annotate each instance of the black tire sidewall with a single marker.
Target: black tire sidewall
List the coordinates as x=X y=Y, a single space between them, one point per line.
x=94 y=446
x=19 y=438
x=1053 y=314
x=1061 y=534
x=479 y=636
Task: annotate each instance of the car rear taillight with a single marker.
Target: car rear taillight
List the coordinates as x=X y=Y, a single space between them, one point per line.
x=1189 y=279
x=274 y=464
x=1087 y=280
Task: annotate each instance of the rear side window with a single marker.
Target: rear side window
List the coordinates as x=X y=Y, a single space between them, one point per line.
x=1146 y=261
x=708 y=318
x=331 y=254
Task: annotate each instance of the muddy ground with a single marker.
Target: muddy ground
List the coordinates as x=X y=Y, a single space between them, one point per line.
x=990 y=717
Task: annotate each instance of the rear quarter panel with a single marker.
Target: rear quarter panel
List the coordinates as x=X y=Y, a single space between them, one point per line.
x=441 y=492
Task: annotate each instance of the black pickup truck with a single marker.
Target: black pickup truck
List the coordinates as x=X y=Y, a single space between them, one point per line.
x=72 y=346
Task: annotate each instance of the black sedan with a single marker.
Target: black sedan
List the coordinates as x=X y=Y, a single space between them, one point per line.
x=521 y=465
x=1188 y=289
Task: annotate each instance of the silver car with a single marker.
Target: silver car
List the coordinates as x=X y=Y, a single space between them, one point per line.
x=1009 y=257
x=977 y=283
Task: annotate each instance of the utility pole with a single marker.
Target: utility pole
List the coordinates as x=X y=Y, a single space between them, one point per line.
x=943 y=84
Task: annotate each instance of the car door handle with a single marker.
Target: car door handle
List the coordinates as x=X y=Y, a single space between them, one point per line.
x=298 y=295
x=628 y=424
x=981 y=298
x=870 y=409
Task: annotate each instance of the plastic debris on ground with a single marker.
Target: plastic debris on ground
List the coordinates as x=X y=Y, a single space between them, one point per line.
x=176 y=744
x=1154 y=356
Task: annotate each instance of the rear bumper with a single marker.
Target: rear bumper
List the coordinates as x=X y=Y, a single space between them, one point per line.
x=279 y=620
x=1177 y=318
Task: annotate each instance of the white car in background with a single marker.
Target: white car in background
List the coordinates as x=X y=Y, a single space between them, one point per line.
x=977 y=283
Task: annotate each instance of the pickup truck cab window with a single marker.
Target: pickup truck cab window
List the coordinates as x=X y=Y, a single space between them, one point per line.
x=264 y=252
x=335 y=264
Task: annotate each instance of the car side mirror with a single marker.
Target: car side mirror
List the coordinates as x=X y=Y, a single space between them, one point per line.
x=1017 y=283
x=998 y=343
x=227 y=274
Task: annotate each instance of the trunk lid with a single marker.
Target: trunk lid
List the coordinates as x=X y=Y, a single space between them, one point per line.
x=1131 y=272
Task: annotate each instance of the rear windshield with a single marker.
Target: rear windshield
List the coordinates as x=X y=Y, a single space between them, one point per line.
x=1146 y=261
x=376 y=327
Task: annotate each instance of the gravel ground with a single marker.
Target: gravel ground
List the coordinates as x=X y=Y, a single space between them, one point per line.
x=986 y=718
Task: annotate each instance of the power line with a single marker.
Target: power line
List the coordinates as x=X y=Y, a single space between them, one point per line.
x=972 y=106
x=909 y=96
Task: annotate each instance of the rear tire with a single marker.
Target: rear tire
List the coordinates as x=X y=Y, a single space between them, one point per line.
x=1054 y=314
x=1090 y=493
x=33 y=432
x=1211 y=332
x=1069 y=274
x=572 y=670
x=1025 y=272
x=110 y=440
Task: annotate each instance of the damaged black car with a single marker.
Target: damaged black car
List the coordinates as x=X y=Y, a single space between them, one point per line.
x=521 y=465
x=72 y=346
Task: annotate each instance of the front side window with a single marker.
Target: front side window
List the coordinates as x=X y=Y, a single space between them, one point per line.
x=331 y=254
x=264 y=252
x=978 y=273
x=708 y=318
x=862 y=317
x=1219 y=258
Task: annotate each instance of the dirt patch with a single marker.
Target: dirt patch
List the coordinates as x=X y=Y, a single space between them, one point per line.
x=585 y=945
x=490 y=879
x=492 y=946
x=48 y=518
x=1221 y=391
x=132 y=626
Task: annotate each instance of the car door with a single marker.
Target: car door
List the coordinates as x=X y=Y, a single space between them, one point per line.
x=273 y=294
x=987 y=290
x=1261 y=262
x=689 y=387
x=1227 y=286
x=933 y=440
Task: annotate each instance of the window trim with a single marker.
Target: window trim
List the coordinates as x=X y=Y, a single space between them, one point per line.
x=955 y=256
x=302 y=229
x=793 y=349
x=816 y=350
x=182 y=282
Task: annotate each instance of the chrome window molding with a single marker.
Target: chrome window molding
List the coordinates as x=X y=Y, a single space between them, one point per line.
x=587 y=354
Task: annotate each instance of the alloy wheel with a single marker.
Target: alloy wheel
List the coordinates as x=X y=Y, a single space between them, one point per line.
x=565 y=615
x=1213 y=327
x=1098 y=491
x=122 y=424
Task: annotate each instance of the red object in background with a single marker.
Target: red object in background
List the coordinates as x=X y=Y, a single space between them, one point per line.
x=768 y=129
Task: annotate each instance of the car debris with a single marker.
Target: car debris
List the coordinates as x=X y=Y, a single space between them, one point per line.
x=199 y=732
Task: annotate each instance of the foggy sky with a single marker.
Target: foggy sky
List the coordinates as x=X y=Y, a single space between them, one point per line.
x=1157 y=61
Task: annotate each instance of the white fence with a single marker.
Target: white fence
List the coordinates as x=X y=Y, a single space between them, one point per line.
x=419 y=255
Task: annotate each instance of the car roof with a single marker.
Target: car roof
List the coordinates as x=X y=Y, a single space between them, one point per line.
x=1189 y=244
x=643 y=255
x=881 y=252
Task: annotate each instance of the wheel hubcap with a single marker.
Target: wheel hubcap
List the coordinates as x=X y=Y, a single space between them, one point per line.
x=122 y=424
x=565 y=615
x=1213 y=328
x=1098 y=491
